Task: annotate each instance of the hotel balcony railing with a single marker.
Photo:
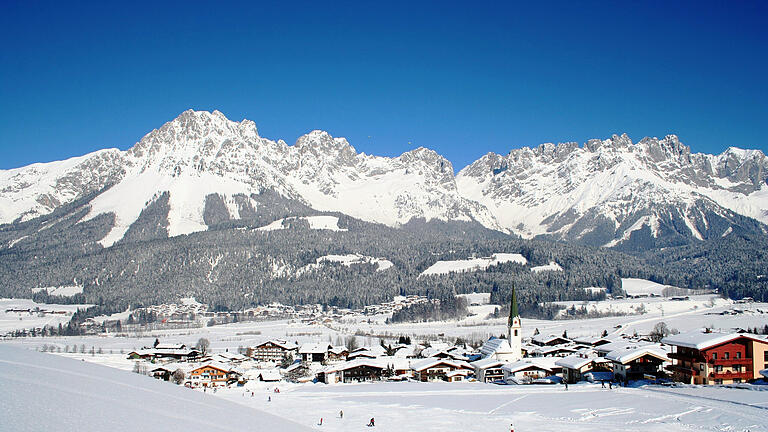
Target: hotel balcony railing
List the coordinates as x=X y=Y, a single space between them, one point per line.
x=732 y=361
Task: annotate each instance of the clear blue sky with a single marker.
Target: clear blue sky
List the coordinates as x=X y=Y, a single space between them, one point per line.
x=463 y=79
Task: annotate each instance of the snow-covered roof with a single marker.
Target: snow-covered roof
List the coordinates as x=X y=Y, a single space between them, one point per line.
x=163 y=346
x=523 y=365
x=574 y=361
x=432 y=362
x=493 y=346
x=355 y=363
x=280 y=343
x=629 y=354
x=338 y=349
x=216 y=365
x=313 y=348
x=487 y=363
x=269 y=375
x=546 y=350
x=544 y=340
x=698 y=339
x=591 y=340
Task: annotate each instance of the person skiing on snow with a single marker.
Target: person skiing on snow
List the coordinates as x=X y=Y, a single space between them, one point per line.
x=371 y=423
x=341 y=414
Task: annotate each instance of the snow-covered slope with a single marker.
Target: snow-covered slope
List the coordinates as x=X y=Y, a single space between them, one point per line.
x=210 y=168
x=606 y=191
x=202 y=169
x=49 y=392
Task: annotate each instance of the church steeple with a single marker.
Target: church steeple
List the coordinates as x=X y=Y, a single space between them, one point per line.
x=512 y=307
x=514 y=328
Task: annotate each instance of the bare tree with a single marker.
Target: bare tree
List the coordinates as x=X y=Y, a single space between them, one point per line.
x=202 y=345
x=178 y=376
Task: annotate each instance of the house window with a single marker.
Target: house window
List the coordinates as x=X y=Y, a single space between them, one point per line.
x=738 y=355
x=765 y=356
x=737 y=380
x=714 y=356
x=727 y=356
x=718 y=368
x=718 y=381
x=515 y=332
x=737 y=368
x=701 y=367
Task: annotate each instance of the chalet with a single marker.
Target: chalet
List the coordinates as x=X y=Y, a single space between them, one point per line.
x=550 y=340
x=314 y=352
x=153 y=354
x=165 y=372
x=270 y=375
x=209 y=375
x=637 y=362
x=274 y=350
x=338 y=353
x=359 y=370
x=488 y=370
x=575 y=366
x=437 y=369
x=553 y=351
x=717 y=358
x=525 y=371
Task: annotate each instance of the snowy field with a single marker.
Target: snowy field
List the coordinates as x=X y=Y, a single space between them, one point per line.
x=635 y=287
x=468 y=406
x=45 y=392
x=473 y=264
x=10 y=321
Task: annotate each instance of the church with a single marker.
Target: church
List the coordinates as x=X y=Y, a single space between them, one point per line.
x=509 y=349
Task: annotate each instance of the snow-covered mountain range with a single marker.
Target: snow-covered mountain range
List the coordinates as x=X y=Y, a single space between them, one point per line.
x=202 y=169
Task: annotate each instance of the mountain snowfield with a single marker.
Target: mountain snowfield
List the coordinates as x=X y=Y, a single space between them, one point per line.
x=202 y=169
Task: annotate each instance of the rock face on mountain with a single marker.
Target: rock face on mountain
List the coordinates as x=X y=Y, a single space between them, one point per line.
x=202 y=170
x=206 y=169
x=615 y=192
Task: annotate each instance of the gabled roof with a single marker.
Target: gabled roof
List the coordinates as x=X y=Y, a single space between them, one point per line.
x=280 y=343
x=355 y=363
x=629 y=354
x=544 y=340
x=493 y=346
x=700 y=340
x=164 y=346
x=487 y=363
x=215 y=365
x=574 y=361
x=523 y=365
x=313 y=348
x=432 y=362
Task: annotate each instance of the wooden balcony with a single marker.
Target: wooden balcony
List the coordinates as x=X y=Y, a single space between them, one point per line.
x=685 y=370
x=733 y=361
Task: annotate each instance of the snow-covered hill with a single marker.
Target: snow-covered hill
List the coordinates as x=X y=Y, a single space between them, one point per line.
x=202 y=169
x=49 y=392
x=613 y=191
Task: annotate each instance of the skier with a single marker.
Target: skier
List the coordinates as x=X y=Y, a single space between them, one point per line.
x=341 y=414
x=566 y=385
x=269 y=399
x=371 y=423
x=321 y=421
x=602 y=383
x=610 y=385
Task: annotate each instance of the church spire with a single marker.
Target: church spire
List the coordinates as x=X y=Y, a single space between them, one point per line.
x=512 y=307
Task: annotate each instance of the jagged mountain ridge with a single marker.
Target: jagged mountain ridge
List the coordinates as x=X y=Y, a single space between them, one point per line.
x=202 y=169
x=202 y=162
x=614 y=192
